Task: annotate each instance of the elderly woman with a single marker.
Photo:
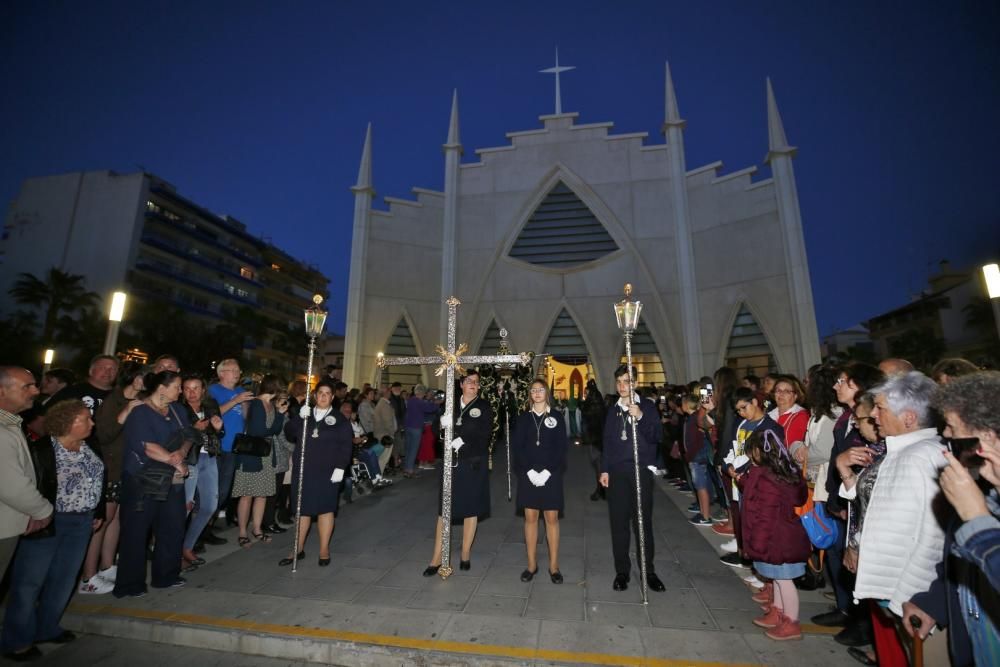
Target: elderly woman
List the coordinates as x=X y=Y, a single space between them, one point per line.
x=327 y=460
x=254 y=481
x=71 y=476
x=901 y=541
x=964 y=594
x=538 y=449
x=157 y=442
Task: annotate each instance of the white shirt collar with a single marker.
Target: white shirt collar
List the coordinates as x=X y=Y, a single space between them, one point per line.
x=897 y=443
x=624 y=403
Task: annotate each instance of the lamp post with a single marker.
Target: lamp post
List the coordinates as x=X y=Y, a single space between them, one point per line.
x=114 y=321
x=47 y=360
x=378 y=372
x=627 y=315
x=991 y=273
x=315 y=322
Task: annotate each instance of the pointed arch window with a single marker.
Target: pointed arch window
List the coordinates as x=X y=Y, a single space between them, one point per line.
x=491 y=339
x=645 y=358
x=565 y=340
x=562 y=233
x=401 y=344
x=749 y=353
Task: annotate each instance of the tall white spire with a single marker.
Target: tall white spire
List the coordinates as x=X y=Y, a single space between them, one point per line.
x=671 y=116
x=690 y=325
x=364 y=192
x=365 y=170
x=779 y=156
x=557 y=70
x=776 y=140
x=449 y=249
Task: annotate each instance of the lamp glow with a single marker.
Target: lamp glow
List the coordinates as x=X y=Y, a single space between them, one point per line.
x=315 y=318
x=991 y=273
x=49 y=356
x=117 y=307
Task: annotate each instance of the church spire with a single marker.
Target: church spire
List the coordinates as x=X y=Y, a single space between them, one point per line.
x=365 y=170
x=672 y=116
x=777 y=143
x=453 y=135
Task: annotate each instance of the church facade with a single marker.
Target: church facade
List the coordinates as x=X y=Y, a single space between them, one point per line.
x=539 y=237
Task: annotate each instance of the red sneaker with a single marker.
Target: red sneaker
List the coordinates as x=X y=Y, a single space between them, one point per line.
x=724 y=528
x=771 y=619
x=764 y=595
x=785 y=631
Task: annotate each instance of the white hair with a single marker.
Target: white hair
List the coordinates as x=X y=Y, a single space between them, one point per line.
x=911 y=391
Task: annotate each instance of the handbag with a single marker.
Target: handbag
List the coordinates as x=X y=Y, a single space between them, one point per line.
x=251 y=445
x=813 y=578
x=821 y=529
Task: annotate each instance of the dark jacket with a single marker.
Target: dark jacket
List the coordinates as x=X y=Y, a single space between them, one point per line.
x=43 y=458
x=256 y=424
x=210 y=438
x=772 y=532
x=617 y=453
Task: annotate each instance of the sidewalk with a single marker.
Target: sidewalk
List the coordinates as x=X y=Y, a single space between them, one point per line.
x=373 y=607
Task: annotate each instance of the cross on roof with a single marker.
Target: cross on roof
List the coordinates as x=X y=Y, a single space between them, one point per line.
x=556 y=70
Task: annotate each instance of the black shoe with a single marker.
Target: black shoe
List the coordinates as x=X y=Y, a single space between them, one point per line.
x=211 y=538
x=274 y=529
x=30 y=655
x=431 y=570
x=654 y=583
x=64 y=637
x=323 y=562
x=283 y=519
x=860 y=655
x=289 y=560
x=465 y=565
x=528 y=575
x=621 y=582
x=854 y=634
x=556 y=577
x=734 y=560
x=831 y=619
x=176 y=583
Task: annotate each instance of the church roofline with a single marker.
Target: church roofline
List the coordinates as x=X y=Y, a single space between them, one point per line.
x=403 y=202
x=557 y=116
x=712 y=166
x=593 y=126
x=748 y=171
x=630 y=135
x=526 y=133
x=426 y=191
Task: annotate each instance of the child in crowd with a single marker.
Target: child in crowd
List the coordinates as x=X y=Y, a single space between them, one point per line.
x=773 y=536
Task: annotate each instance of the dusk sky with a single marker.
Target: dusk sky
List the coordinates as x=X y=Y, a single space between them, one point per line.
x=258 y=110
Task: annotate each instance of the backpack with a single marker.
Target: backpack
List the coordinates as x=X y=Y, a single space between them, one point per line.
x=822 y=530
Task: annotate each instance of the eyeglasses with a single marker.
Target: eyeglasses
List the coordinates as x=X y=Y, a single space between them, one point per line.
x=784 y=391
x=840 y=381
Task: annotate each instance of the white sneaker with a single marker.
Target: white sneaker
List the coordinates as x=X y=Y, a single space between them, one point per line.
x=753 y=582
x=110 y=574
x=730 y=546
x=96 y=585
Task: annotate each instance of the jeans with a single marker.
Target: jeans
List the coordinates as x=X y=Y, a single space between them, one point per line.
x=206 y=473
x=412 y=448
x=367 y=457
x=166 y=519
x=226 y=462
x=44 y=572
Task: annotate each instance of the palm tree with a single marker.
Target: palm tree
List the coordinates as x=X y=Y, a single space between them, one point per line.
x=59 y=293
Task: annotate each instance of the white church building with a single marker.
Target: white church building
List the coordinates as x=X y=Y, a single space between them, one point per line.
x=539 y=237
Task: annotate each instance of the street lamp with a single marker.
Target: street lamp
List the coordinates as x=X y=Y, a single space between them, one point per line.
x=378 y=370
x=991 y=273
x=315 y=322
x=114 y=321
x=627 y=314
x=47 y=360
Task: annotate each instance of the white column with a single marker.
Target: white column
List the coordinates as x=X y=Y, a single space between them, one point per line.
x=449 y=250
x=363 y=191
x=779 y=156
x=687 y=287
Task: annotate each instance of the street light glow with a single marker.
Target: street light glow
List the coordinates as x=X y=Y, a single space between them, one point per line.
x=991 y=272
x=49 y=356
x=117 y=307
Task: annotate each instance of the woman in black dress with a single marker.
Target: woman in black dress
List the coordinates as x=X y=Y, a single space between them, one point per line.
x=470 y=480
x=328 y=460
x=538 y=450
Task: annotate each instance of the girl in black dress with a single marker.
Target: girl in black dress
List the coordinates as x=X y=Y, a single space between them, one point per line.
x=328 y=459
x=538 y=451
x=470 y=481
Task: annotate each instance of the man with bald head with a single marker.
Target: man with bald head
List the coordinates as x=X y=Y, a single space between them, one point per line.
x=23 y=509
x=893 y=366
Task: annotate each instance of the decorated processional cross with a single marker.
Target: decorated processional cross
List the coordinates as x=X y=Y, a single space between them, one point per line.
x=449 y=360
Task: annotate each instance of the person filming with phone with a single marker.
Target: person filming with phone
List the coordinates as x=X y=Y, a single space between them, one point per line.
x=964 y=597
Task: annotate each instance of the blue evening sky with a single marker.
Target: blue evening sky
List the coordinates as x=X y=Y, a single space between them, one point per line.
x=258 y=109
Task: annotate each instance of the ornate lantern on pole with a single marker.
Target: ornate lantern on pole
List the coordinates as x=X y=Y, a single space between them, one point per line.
x=627 y=314
x=315 y=323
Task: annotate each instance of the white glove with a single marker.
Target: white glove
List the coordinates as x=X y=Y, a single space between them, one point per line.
x=535 y=478
x=338 y=475
x=543 y=477
x=457 y=443
x=445 y=420
x=653 y=469
x=304 y=412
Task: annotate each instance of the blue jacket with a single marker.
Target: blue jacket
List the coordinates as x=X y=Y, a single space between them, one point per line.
x=617 y=453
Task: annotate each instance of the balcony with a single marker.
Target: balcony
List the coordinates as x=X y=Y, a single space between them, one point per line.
x=187 y=279
x=206 y=238
x=173 y=247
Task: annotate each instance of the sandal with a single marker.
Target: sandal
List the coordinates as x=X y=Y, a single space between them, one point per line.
x=262 y=537
x=244 y=542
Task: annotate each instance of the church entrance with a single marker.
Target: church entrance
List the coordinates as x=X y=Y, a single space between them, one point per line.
x=566 y=376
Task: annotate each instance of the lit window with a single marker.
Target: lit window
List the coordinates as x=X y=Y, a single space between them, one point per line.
x=275 y=267
x=246 y=273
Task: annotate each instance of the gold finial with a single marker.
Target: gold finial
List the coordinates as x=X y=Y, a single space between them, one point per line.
x=318 y=299
x=628 y=290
